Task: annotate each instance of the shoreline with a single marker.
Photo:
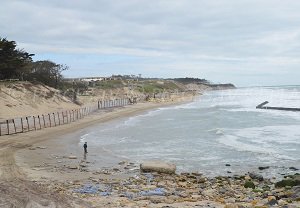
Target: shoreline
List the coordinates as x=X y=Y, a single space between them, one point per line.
x=56 y=151
x=119 y=183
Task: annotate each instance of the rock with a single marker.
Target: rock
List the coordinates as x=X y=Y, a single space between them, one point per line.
x=287 y=182
x=249 y=184
x=231 y=206
x=227 y=165
x=158 y=166
x=256 y=176
x=32 y=148
x=72 y=157
x=72 y=167
x=230 y=200
x=41 y=147
x=296 y=192
x=263 y=167
x=272 y=202
x=293 y=168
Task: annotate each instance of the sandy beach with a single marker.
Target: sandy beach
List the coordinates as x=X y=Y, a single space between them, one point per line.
x=50 y=167
x=21 y=154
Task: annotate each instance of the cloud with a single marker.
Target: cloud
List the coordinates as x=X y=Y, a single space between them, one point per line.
x=228 y=40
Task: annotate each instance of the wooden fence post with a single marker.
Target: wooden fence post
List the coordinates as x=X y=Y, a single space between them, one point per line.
x=67 y=117
x=40 y=121
x=7 y=127
x=0 y=129
x=50 y=120
x=14 y=125
x=27 y=124
x=44 y=120
x=34 y=123
x=58 y=118
x=54 y=119
x=21 y=124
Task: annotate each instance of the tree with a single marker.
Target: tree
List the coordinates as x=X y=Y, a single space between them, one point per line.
x=13 y=62
x=47 y=72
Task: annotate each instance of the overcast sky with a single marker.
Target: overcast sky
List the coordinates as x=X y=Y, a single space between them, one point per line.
x=246 y=42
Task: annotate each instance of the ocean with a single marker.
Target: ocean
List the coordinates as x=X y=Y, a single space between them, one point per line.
x=219 y=133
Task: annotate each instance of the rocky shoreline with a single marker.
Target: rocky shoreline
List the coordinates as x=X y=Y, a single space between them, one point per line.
x=153 y=189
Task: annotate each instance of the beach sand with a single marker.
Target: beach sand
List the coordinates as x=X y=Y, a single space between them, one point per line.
x=47 y=168
x=26 y=159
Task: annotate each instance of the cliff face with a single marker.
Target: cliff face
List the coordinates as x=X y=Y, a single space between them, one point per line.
x=25 y=98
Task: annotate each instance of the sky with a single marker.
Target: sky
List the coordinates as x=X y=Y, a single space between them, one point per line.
x=244 y=42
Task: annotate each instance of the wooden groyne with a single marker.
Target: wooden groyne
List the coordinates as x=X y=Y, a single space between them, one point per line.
x=262 y=106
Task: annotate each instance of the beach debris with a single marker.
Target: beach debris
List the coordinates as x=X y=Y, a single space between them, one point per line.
x=87 y=189
x=104 y=193
x=155 y=192
x=72 y=157
x=149 y=177
x=158 y=166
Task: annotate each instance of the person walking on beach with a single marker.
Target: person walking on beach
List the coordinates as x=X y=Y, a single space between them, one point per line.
x=85 y=148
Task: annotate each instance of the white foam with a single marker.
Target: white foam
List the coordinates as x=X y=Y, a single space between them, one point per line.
x=83 y=138
x=263 y=140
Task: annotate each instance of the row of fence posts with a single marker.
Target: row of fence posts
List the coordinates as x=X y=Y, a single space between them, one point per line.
x=31 y=123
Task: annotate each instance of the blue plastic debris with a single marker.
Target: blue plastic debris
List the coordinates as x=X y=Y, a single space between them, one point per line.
x=104 y=193
x=87 y=189
x=149 y=177
x=155 y=192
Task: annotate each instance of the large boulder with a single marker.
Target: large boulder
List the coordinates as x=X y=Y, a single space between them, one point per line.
x=158 y=166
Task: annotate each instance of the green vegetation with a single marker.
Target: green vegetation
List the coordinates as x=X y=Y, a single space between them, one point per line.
x=249 y=184
x=157 y=86
x=189 y=80
x=109 y=84
x=287 y=182
x=13 y=62
x=17 y=64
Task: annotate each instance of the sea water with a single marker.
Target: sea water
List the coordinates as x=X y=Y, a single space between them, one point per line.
x=217 y=128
